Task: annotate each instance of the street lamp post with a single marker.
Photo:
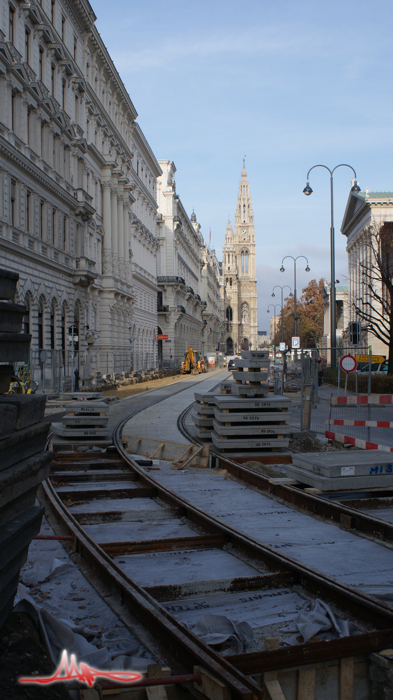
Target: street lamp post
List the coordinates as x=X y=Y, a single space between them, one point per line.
x=282 y=269
x=274 y=326
x=307 y=191
x=282 y=305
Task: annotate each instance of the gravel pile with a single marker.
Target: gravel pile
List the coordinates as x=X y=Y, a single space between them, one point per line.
x=306 y=443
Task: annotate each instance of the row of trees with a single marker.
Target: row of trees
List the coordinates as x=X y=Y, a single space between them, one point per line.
x=309 y=313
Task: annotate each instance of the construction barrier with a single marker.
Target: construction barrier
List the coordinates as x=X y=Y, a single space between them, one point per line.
x=356 y=442
x=361 y=423
x=363 y=400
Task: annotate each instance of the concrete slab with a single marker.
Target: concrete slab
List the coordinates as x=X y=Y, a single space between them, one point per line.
x=239 y=443
x=14 y=347
x=250 y=391
x=11 y=317
x=255 y=355
x=84 y=395
x=82 y=407
x=148 y=531
x=23 y=444
x=252 y=364
x=204 y=398
x=8 y=417
x=202 y=422
x=31 y=409
x=339 y=483
x=337 y=464
x=8 y=282
x=189 y=566
x=64 y=431
x=251 y=416
x=204 y=410
x=250 y=376
x=121 y=505
x=249 y=430
x=233 y=402
x=97 y=486
x=85 y=421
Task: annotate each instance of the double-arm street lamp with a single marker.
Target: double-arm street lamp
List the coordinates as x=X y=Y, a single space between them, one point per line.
x=282 y=305
x=282 y=269
x=307 y=191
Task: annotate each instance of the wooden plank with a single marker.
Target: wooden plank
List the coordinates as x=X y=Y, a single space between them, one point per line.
x=346 y=678
x=155 y=692
x=211 y=686
x=306 y=684
x=274 y=690
x=268 y=644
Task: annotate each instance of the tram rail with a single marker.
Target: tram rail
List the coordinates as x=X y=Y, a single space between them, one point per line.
x=239 y=673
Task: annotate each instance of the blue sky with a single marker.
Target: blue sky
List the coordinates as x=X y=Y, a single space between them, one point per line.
x=288 y=84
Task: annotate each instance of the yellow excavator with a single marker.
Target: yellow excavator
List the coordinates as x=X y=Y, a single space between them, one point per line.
x=193 y=363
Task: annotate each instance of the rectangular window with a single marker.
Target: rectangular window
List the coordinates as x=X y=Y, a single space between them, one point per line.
x=28 y=210
x=11 y=25
x=12 y=203
x=53 y=78
x=64 y=232
x=41 y=62
x=13 y=111
x=52 y=11
x=63 y=94
x=42 y=213
x=63 y=28
x=27 y=45
x=53 y=226
x=75 y=48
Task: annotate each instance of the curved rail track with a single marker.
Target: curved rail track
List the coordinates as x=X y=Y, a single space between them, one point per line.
x=341 y=513
x=114 y=477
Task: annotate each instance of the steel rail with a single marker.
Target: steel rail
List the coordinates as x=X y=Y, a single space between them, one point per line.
x=182 y=644
x=361 y=605
x=343 y=515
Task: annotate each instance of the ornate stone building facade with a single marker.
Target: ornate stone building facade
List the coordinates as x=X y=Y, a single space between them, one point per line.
x=188 y=299
x=364 y=211
x=238 y=281
x=78 y=204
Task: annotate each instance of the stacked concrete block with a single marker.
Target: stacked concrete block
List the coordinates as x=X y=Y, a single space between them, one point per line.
x=202 y=415
x=86 y=420
x=337 y=471
x=247 y=422
x=23 y=462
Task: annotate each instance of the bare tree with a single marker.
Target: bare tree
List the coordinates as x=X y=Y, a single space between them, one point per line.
x=374 y=305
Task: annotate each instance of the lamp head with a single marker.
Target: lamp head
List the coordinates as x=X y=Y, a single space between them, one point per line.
x=307 y=190
x=273 y=294
x=290 y=295
x=355 y=187
x=307 y=268
x=282 y=268
x=268 y=311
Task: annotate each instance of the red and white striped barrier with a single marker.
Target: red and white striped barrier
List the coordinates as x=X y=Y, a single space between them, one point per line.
x=363 y=444
x=361 y=423
x=363 y=400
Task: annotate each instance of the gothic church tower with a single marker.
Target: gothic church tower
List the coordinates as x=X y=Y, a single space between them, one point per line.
x=239 y=284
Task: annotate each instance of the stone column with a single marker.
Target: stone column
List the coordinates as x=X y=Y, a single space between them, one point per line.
x=120 y=223
x=114 y=237
x=107 y=221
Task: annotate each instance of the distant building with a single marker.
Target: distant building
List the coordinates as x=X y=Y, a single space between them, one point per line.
x=342 y=316
x=238 y=281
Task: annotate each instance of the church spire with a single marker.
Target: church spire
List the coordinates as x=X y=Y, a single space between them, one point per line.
x=244 y=213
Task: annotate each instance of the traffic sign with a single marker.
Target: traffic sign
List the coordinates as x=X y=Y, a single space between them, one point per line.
x=162 y=337
x=282 y=346
x=374 y=358
x=348 y=363
x=295 y=342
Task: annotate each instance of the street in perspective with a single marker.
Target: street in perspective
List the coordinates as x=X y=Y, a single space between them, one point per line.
x=196 y=360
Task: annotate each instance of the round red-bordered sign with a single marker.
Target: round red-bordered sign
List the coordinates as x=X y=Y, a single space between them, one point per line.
x=348 y=363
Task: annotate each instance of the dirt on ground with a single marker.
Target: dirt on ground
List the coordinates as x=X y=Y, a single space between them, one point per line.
x=23 y=655
x=122 y=392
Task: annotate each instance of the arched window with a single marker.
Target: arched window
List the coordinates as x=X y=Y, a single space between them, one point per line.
x=229 y=313
x=244 y=213
x=40 y=324
x=52 y=325
x=244 y=255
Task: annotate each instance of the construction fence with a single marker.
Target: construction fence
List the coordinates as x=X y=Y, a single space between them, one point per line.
x=341 y=403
